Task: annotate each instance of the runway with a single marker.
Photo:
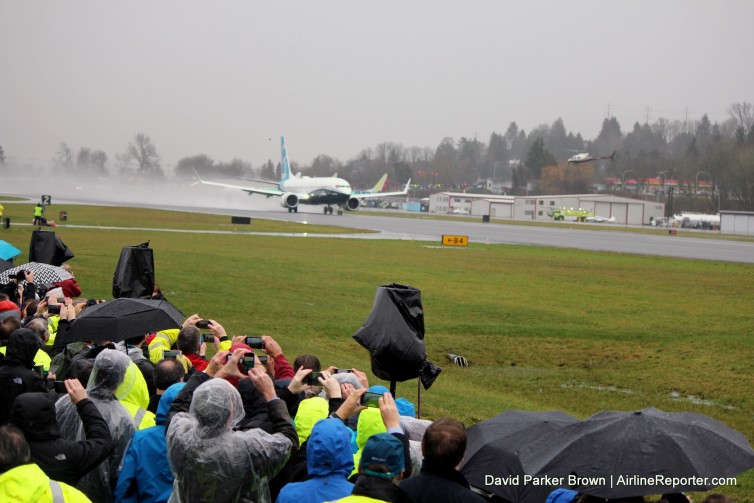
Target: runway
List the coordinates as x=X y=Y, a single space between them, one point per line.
x=407 y=228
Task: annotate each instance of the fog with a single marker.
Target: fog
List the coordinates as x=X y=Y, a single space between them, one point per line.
x=228 y=78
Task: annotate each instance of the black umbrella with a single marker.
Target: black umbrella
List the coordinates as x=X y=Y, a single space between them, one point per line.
x=492 y=451
x=119 y=319
x=620 y=454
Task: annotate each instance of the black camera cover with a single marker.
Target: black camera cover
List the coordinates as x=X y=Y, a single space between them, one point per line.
x=393 y=333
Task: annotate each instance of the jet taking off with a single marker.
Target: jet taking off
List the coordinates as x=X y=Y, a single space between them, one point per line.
x=296 y=189
x=585 y=157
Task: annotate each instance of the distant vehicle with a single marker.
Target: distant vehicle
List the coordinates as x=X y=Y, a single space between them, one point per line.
x=586 y=157
x=600 y=220
x=698 y=220
x=294 y=189
x=460 y=211
x=571 y=214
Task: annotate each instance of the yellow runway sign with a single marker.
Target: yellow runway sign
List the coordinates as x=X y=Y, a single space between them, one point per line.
x=455 y=240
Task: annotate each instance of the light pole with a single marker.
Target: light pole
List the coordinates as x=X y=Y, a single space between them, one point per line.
x=696 y=181
x=623 y=185
x=664 y=177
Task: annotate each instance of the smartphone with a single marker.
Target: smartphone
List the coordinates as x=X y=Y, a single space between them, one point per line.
x=370 y=399
x=61 y=300
x=312 y=378
x=172 y=355
x=344 y=371
x=53 y=309
x=210 y=338
x=254 y=342
x=263 y=360
x=247 y=362
x=202 y=324
x=60 y=387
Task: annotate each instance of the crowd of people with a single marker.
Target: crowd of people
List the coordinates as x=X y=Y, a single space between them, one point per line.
x=154 y=419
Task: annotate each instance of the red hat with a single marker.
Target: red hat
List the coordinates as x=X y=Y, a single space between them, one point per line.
x=9 y=309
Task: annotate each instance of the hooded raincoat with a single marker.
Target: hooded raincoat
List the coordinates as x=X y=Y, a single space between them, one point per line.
x=62 y=460
x=110 y=368
x=134 y=396
x=16 y=374
x=146 y=476
x=210 y=461
x=328 y=460
x=370 y=423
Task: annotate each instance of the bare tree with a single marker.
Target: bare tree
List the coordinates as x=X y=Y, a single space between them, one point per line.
x=64 y=158
x=743 y=114
x=143 y=154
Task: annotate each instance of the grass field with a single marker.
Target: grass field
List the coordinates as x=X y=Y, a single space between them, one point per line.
x=542 y=328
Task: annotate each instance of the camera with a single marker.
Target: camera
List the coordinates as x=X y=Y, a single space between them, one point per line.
x=370 y=399
x=53 y=309
x=202 y=324
x=254 y=342
x=170 y=355
x=21 y=275
x=61 y=300
x=312 y=379
x=60 y=387
x=208 y=338
x=263 y=360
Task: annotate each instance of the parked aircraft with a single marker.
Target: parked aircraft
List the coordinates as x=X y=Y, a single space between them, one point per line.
x=586 y=157
x=377 y=186
x=315 y=190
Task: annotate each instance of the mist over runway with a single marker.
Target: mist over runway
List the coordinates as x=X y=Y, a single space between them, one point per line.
x=185 y=197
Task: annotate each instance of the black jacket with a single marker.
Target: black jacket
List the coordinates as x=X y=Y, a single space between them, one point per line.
x=63 y=460
x=381 y=489
x=435 y=483
x=16 y=374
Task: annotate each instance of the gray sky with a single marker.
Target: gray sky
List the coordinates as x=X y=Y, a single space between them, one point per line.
x=334 y=77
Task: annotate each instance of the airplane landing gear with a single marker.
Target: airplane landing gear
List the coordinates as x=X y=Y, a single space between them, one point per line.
x=340 y=211
x=293 y=210
x=328 y=209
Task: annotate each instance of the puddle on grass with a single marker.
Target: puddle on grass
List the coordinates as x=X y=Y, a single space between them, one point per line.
x=599 y=388
x=698 y=400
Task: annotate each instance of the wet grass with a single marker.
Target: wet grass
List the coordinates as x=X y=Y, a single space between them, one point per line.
x=543 y=328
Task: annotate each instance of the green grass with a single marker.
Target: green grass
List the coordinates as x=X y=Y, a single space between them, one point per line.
x=543 y=328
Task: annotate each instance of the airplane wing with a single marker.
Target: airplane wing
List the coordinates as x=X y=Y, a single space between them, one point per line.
x=250 y=190
x=260 y=180
x=384 y=194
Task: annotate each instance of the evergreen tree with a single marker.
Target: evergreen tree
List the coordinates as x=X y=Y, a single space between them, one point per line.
x=539 y=157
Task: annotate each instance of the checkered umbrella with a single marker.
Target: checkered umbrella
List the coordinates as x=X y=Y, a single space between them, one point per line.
x=44 y=274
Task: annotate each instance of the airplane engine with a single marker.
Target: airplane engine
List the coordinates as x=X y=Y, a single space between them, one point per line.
x=289 y=200
x=353 y=203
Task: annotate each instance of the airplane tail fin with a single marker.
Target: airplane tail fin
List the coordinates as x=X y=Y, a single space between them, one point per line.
x=380 y=184
x=285 y=167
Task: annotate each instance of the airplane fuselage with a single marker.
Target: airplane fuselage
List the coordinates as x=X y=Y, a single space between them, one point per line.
x=318 y=190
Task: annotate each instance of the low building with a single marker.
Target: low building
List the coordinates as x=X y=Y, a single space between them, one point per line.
x=737 y=222
x=539 y=208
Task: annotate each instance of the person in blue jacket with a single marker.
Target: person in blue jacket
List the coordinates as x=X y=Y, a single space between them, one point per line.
x=329 y=460
x=146 y=476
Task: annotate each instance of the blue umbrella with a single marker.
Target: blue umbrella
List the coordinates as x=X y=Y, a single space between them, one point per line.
x=8 y=251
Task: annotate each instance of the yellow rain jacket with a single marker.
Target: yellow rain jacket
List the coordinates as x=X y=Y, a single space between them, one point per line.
x=310 y=411
x=30 y=484
x=370 y=423
x=134 y=396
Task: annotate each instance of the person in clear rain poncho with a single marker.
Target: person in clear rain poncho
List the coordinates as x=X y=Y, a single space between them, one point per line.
x=109 y=371
x=209 y=460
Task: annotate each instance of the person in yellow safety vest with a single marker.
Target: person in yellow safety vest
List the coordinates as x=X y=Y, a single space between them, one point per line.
x=134 y=396
x=165 y=339
x=1 y=210
x=67 y=312
x=38 y=214
x=22 y=480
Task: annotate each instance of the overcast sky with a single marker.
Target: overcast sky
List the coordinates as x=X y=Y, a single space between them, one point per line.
x=228 y=78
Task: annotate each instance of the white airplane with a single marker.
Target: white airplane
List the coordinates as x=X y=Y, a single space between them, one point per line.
x=296 y=189
x=585 y=157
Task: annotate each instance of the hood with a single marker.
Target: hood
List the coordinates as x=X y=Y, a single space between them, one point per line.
x=23 y=344
x=328 y=450
x=133 y=389
x=309 y=412
x=108 y=373
x=370 y=423
x=34 y=413
x=217 y=408
x=166 y=400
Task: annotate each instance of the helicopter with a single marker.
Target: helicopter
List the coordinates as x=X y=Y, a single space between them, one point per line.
x=586 y=157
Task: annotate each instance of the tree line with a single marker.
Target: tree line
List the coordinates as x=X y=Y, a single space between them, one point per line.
x=721 y=154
